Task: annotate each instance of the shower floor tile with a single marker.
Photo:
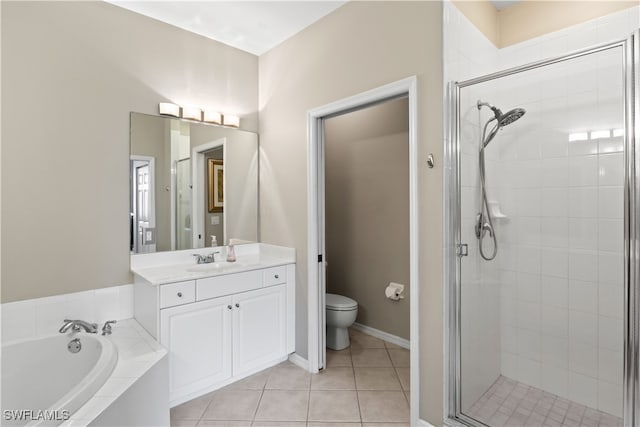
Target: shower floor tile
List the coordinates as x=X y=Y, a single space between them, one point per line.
x=508 y=403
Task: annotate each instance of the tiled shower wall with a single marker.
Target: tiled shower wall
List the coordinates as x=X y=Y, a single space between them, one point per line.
x=559 y=268
x=561 y=245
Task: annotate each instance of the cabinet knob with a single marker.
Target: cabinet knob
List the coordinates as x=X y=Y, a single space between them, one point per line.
x=237 y=305
x=229 y=307
x=277 y=277
x=179 y=294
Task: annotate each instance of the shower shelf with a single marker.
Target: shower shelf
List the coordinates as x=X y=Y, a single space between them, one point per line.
x=494 y=209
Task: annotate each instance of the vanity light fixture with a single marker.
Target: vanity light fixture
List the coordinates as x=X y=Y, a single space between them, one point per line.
x=192 y=113
x=169 y=109
x=195 y=113
x=229 y=120
x=212 y=117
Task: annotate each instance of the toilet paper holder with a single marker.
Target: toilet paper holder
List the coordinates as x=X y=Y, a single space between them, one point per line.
x=394 y=291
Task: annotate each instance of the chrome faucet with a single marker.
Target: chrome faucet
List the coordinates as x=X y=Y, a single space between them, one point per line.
x=78 y=325
x=206 y=259
x=106 y=329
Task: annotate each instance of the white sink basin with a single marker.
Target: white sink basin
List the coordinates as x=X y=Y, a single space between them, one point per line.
x=217 y=267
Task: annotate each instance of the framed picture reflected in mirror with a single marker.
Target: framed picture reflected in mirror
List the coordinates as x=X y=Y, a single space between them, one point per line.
x=215 y=184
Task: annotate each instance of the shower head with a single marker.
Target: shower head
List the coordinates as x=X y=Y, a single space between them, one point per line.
x=502 y=120
x=510 y=116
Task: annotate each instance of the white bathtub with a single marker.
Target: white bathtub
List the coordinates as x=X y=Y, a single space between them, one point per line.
x=42 y=378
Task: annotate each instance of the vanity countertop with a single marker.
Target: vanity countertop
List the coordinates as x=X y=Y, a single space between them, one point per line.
x=170 y=267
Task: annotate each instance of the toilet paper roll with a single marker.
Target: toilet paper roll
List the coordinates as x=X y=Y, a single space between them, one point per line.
x=393 y=292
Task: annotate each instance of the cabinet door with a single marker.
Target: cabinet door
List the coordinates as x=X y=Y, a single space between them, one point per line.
x=259 y=328
x=198 y=337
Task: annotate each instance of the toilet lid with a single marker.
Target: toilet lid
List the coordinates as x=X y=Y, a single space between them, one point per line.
x=339 y=302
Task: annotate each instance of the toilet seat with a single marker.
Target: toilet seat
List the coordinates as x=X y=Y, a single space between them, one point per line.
x=339 y=303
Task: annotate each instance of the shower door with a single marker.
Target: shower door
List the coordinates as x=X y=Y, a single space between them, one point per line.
x=543 y=158
x=183 y=204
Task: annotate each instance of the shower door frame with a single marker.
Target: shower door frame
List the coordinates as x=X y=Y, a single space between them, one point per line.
x=453 y=238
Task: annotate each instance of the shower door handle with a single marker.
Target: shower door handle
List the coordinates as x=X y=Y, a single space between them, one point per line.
x=462 y=250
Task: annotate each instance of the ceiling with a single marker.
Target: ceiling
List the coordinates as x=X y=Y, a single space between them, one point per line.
x=501 y=4
x=253 y=26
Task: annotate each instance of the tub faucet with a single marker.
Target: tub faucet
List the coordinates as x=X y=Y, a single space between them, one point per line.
x=78 y=325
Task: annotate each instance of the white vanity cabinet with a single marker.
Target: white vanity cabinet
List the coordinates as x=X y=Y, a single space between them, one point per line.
x=259 y=328
x=221 y=328
x=198 y=337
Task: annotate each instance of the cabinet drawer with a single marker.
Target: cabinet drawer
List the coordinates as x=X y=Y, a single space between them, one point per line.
x=177 y=293
x=212 y=287
x=275 y=275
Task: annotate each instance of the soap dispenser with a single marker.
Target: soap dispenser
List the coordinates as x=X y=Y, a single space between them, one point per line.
x=231 y=254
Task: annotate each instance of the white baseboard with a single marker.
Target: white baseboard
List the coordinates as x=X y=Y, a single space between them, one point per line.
x=393 y=339
x=298 y=360
x=424 y=423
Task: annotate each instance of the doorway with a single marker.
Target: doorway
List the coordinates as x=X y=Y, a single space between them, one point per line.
x=142 y=204
x=207 y=223
x=317 y=267
x=366 y=212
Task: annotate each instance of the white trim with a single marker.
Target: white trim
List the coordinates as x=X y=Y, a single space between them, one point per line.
x=315 y=294
x=424 y=423
x=152 y=198
x=197 y=195
x=393 y=339
x=298 y=360
x=312 y=243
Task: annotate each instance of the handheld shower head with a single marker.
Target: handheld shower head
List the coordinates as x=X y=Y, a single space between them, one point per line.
x=510 y=116
x=503 y=119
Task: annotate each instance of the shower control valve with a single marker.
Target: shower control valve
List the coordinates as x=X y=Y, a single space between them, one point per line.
x=482 y=226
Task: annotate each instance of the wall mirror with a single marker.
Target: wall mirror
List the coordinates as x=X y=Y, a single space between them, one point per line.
x=192 y=185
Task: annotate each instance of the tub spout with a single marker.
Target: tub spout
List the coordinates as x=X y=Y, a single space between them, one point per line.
x=78 y=325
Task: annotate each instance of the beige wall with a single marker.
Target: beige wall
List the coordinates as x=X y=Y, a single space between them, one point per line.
x=367 y=211
x=483 y=15
x=71 y=73
x=529 y=18
x=360 y=46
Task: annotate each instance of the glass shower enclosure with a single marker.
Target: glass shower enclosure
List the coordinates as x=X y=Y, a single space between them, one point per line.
x=542 y=232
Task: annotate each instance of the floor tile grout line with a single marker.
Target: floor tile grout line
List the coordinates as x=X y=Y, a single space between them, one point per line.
x=308 y=404
x=255 y=412
x=353 y=368
x=205 y=409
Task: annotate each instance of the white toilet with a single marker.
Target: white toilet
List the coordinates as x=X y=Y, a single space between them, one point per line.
x=341 y=312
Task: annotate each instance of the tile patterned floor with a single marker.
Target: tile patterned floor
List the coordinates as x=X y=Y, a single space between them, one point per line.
x=509 y=403
x=366 y=385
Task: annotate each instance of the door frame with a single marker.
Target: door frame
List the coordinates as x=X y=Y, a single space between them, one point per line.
x=315 y=222
x=151 y=162
x=198 y=189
